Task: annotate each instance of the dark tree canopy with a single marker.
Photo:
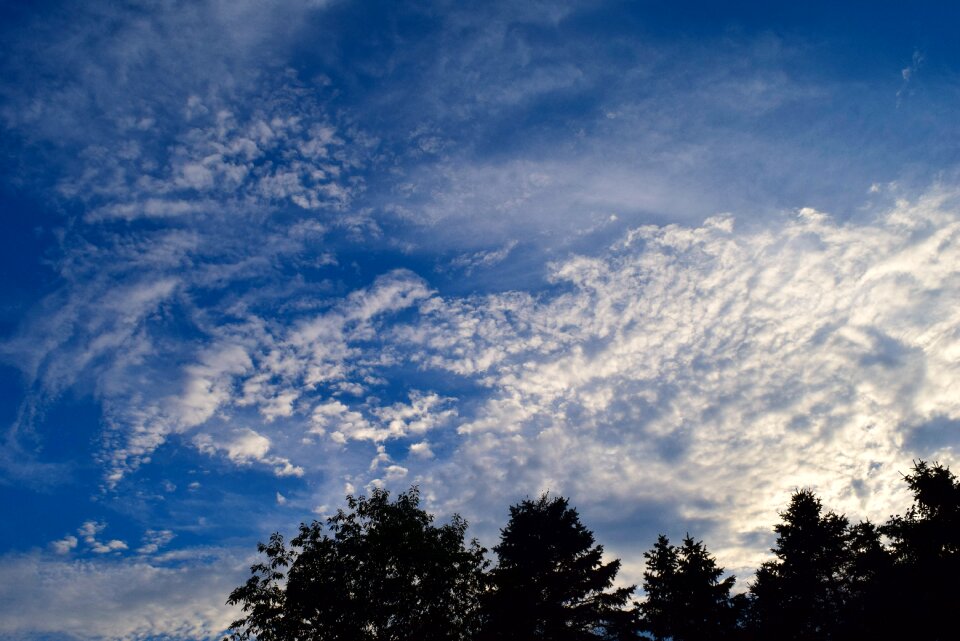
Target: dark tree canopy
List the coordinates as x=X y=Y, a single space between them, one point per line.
x=799 y=595
x=930 y=530
x=833 y=580
x=550 y=581
x=661 y=610
x=686 y=598
x=926 y=550
x=381 y=570
x=865 y=579
x=378 y=571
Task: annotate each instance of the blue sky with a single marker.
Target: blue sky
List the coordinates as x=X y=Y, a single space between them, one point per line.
x=671 y=262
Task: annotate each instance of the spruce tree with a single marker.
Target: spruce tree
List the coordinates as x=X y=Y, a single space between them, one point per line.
x=661 y=610
x=550 y=582
x=686 y=598
x=926 y=549
x=801 y=595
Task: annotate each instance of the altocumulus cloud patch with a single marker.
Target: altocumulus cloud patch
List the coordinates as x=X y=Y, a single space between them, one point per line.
x=690 y=361
x=117 y=600
x=716 y=369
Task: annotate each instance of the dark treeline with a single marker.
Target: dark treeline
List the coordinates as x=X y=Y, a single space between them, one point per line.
x=381 y=569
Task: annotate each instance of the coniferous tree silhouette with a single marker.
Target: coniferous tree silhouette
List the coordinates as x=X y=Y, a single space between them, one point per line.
x=379 y=571
x=801 y=595
x=866 y=581
x=832 y=580
x=926 y=547
x=550 y=582
x=686 y=598
x=661 y=611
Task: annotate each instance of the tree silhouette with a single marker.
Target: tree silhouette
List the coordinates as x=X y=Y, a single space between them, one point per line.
x=686 y=599
x=926 y=548
x=263 y=597
x=931 y=527
x=383 y=572
x=800 y=596
x=868 y=600
x=832 y=580
x=661 y=611
x=550 y=582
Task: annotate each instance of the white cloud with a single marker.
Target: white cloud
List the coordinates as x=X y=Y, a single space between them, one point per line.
x=709 y=365
x=88 y=532
x=381 y=458
x=283 y=466
x=224 y=163
x=245 y=447
x=336 y=418
x=424 y=412
x=248 y=446
x=113 y=545
x=713 y=368
x=153 y=540
x=208 y=384
x=273 y=372
x=90 y=529
x=422 y=450
x=64 y=545
x=395 y=472
x=149 y=208
x=478 y=260
x=112 y=599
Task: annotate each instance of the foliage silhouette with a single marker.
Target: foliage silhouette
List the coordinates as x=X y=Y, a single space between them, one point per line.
x=831 y=580
x=866 y=578
x=550 y=582
x=661 y=611
x=686 y=598
x=383 y=572
x=800 y=595
x=925 y=543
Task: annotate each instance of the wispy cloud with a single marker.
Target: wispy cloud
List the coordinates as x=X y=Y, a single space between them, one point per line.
x=227 y=163
x=478 y=260
x=690 y=362
x=908 y=73
x=153 y=540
